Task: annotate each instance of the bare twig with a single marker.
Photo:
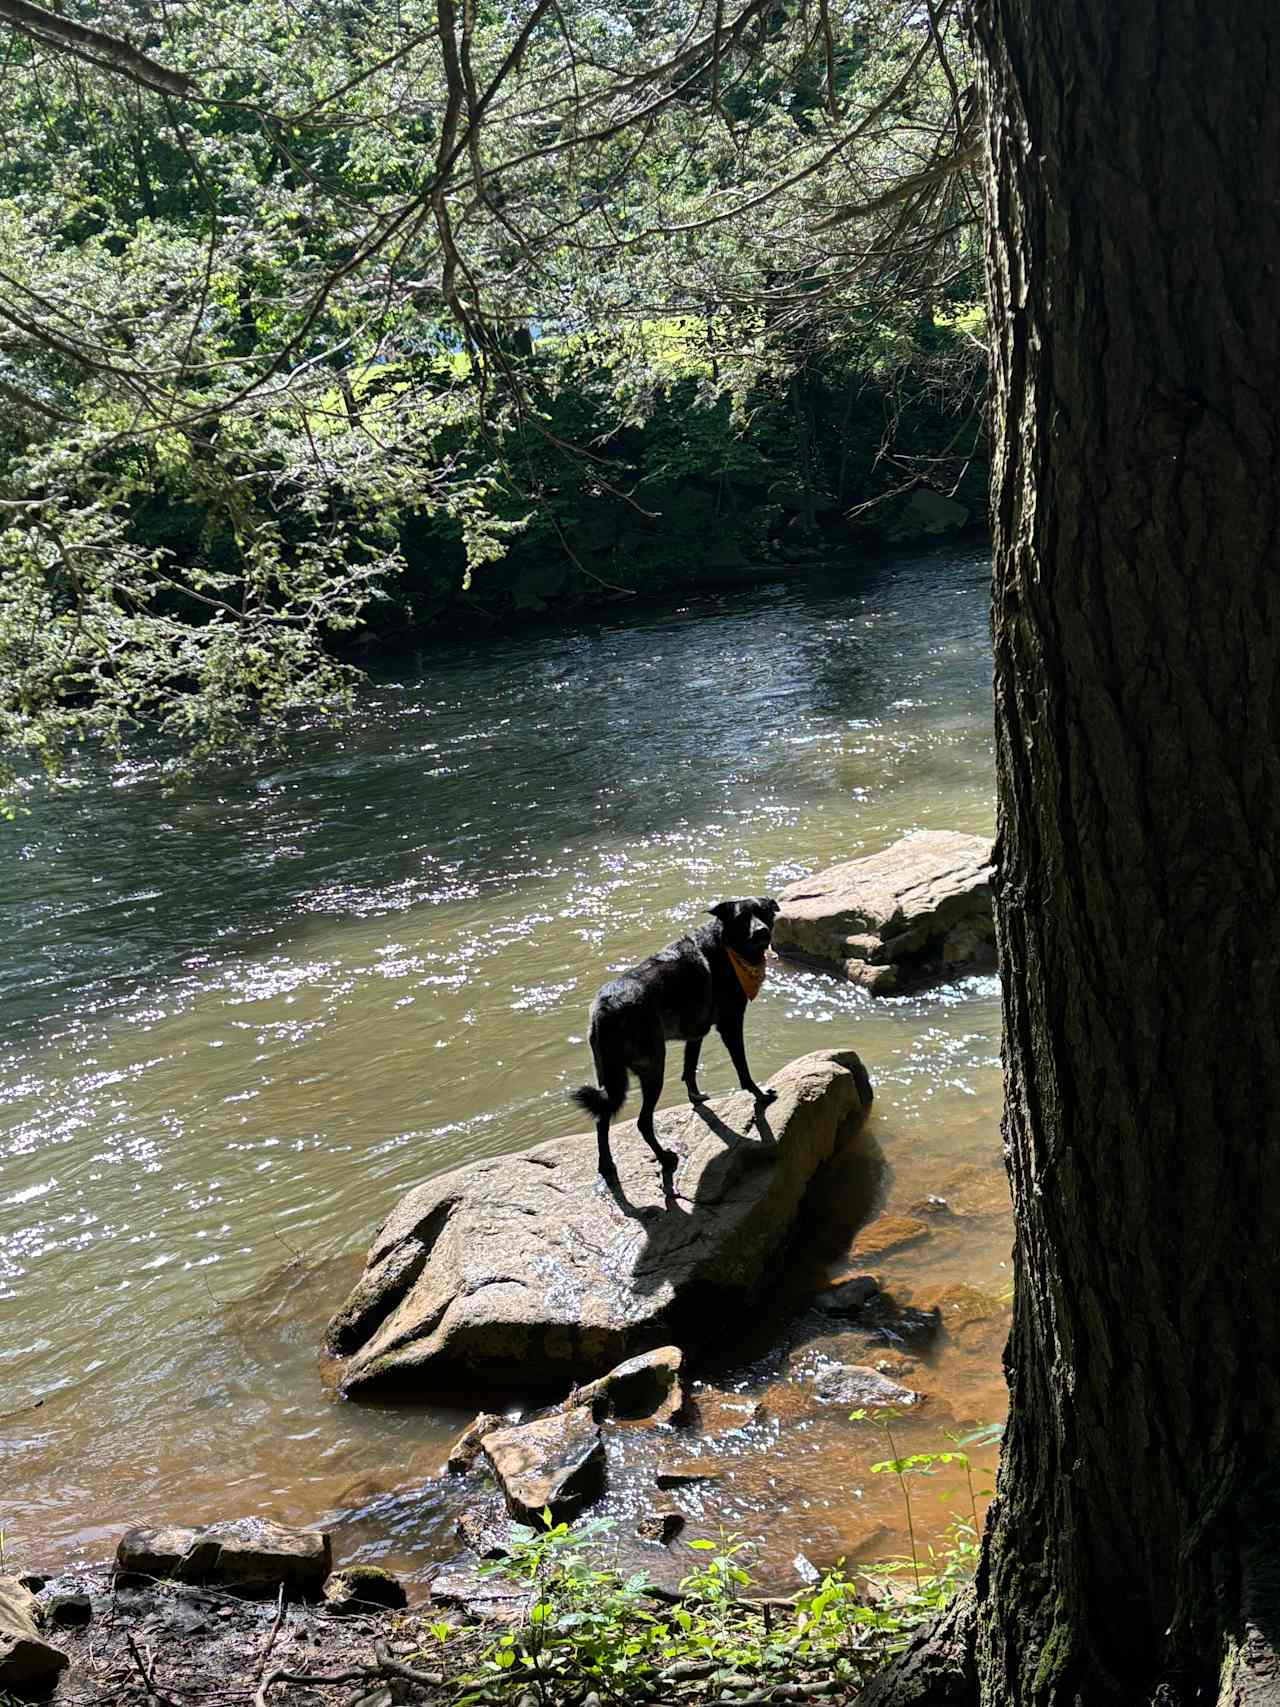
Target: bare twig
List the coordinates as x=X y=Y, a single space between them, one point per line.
x=395 y=1668
x=271 y=1634
x=317 y=1679
x=145 y=1671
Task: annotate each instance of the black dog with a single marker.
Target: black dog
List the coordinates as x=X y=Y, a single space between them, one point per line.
x=703 y=980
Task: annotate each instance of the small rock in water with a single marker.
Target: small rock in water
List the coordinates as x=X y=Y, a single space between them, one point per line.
x=644 y=1388
x=486 y=1532
x=355 y=1588
x=720 y=1413
x=928 y=1206
x=896 y=1363
x=556 y=1461
x=853 y=1384
x=689 y=1475
x=661 y=1526
x=970 y=1316
x=977 y=1191
x=909 y=1327
x=466 y=1448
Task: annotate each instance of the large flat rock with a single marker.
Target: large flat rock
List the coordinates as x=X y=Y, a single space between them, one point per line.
x=526 y=1272
x=251 y=1555
x=920 y=910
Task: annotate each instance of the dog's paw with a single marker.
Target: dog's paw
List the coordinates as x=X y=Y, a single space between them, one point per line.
x=764 y=1098
x=697 y=1097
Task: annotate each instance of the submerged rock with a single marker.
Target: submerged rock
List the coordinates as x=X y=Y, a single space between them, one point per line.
x=528 y=1272
x=918 y=911
x=28 y=1664
x=252 y=1555
x=848 y=1297
x=888 y=1233
x=555 y=1463
x=690 y=1475
x=969 y=1315
x=860 y=1334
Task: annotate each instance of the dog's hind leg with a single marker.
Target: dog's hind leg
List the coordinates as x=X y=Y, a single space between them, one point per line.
x=603 y=1101
x=613 y=1087
x=650 y=1078
x=604 y=1155
x=692 y=1049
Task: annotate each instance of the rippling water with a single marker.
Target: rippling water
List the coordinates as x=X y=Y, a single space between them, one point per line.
x=241 y=1015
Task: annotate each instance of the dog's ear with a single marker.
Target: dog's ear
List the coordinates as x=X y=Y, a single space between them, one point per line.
x=723 y=910
x=770 y=907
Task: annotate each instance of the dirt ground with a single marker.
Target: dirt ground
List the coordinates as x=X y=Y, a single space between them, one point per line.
x=172 y=1645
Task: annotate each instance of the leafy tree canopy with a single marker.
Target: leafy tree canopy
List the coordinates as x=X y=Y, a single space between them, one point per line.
x=301 y=275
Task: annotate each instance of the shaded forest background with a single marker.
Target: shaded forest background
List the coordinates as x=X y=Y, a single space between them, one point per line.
x=365 y=320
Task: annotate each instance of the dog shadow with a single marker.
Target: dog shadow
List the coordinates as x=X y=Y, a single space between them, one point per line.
x=675 y=1228
x=644 y=1213
x=732 y=1137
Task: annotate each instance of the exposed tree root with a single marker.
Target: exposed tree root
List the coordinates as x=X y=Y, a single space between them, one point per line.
x=937 y=1670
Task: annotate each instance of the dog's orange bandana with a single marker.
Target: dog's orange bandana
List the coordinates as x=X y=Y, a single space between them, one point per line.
x=749 y=976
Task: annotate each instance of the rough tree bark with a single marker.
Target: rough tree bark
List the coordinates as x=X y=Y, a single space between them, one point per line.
x=1133 y=250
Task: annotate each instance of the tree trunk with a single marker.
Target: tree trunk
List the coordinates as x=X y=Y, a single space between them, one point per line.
x=1133 y=256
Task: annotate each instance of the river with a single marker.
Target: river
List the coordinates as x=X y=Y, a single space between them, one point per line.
x=241 y=1014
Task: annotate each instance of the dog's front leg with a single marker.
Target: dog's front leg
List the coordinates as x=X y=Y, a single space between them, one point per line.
x=690 y=1074
x=730 y=1029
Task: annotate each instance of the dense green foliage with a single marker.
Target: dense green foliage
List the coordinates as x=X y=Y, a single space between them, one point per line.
x=589 y=1627
x=302 y=313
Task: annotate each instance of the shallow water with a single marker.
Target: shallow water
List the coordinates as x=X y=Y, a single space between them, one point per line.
x=241 y=1015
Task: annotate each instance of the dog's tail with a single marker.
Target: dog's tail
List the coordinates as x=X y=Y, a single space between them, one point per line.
x=604 y=1102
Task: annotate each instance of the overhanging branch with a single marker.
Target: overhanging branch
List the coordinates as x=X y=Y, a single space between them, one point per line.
x=108 y=52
